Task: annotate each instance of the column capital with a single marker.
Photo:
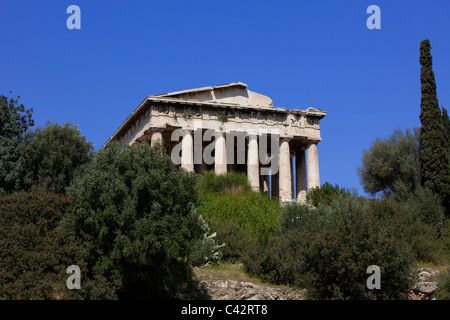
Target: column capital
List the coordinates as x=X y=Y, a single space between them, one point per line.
x=310 y=142
x=286 y=138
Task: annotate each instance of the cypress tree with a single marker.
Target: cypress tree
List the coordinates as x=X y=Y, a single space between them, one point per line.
x=446 y=124
x=433 y=153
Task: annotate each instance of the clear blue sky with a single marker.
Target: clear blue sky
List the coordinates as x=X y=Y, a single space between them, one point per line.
x=300 y=53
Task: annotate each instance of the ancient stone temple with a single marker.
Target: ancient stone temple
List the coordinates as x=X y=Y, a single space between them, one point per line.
x=230 y=128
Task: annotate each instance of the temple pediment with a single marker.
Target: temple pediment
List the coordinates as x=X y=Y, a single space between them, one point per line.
x=231 y=93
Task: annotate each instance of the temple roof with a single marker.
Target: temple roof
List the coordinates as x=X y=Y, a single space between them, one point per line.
x=232 y=95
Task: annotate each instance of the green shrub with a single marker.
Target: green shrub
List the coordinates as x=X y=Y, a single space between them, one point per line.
x=279 y=260
x=135 y=213
x=206 y=252
x=239 y=216
x=254 y=212
x=35 y=252
x=236 y=241
x=55 y=155
x=294 y=216
x=446 y=238
x=326 y=193
x=231 y=183
x=407 y=219
x=443 y=290
x=428 y=208
x=329 y=249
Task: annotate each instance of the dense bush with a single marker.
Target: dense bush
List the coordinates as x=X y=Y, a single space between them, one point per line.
x=239 y=216
x=232 y=183
x=35 y=252
x=446 y=237
x=412 y=223
x=134 y=212
x=46 y=159
x=207 y=251
x=279 y=260
x=54 y=156
x=294 y=215
x=326 y=193
x=254 y=212
x=236 y=240
x=327 y=250
x=15 y=124
x=428 y=208
x=443 y=290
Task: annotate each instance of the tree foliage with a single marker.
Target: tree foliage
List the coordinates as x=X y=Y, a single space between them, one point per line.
x=446 y=125
x=35 y=252
x=135 y=214
x=327 y=251
x=418 y=221
x=433 y=139
x=443 y=289
x=54 y=155
x=15 y=122
x=47 y=158
x=392 y=164
x=326 y=193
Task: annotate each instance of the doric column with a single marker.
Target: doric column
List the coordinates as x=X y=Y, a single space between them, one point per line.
x=253 y=162
x=220 y=158
x=285 y=171
x=312 y=158
x=156 y=137
x=187 y=152
x=300 y=171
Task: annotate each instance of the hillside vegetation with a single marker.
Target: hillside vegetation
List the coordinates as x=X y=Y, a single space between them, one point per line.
x=138 y=226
